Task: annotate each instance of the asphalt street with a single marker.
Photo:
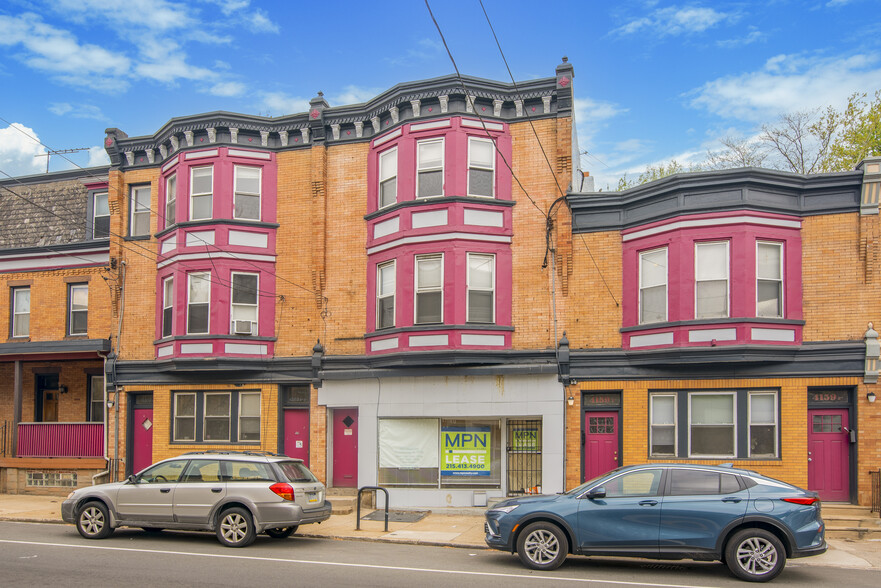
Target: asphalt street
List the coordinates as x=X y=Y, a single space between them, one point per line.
x=33 y=554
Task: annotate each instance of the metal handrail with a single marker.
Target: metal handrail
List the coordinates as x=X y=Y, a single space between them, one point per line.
x=358 y=515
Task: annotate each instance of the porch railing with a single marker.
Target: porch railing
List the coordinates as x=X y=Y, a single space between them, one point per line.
x=876 y=490
x=60 y=440
x=6 y=439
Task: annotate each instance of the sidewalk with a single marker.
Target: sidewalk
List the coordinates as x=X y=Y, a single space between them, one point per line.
x=457 y=527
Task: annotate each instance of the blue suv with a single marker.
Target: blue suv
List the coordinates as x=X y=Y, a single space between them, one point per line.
x=750 y=522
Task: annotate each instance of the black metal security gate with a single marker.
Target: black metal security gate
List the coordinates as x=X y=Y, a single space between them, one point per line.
x=524 y=457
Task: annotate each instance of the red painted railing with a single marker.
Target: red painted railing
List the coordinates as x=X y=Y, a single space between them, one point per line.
x=60 y=440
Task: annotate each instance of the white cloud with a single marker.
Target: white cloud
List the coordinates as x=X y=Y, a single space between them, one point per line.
x=353 y=95
x=424 y=50
x=154 y=15
x=788 y=83
x=227 y=89
x=98 y=156
x=60 y=108
x=80 y=111
x=280 y=104
x=753 y=37
x=17 y=151
x=259 y=22
x=675 y=20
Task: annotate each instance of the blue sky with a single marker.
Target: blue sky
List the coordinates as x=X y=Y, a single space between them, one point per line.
x=654 y=79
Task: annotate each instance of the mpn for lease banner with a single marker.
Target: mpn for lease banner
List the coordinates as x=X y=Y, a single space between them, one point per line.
x=465 y=451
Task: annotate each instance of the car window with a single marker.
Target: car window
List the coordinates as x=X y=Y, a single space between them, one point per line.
x=700 y=482
x=295 y=471
x=247 y=471
x=162 y=473
x=639 y=483
x=202 y=470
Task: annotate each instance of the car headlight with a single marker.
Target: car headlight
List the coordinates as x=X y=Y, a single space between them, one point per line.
x=505 y=509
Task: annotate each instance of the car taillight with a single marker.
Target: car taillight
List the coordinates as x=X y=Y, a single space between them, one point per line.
x=805 y=501
x=284 y=490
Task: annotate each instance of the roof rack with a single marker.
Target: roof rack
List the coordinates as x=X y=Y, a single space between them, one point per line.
x=234 y=452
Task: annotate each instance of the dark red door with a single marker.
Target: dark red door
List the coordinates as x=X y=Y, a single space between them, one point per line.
x=345 y=447
x=296 y=434
x=829 y=453
x=600 y=443
x=142 y=438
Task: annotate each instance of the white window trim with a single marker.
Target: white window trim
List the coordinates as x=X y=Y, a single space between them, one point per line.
x=256 y=305
x=417 y=290
x=468 y=286
x=782 y=279
x=189 y=302
x=666 y=284
x=259 y=418
x=441 y=168
x=175 y=415
x=727 y=275
x=393 y=154
x=95 y=215
x=70 y=311
x=170 y=198
x=492 y=167
x=96 y=383
x=380 y=298
x=192 y=193
x=652 y=398
x=134 y=211
x=749 y=421
x=166 y=304
x=17 y=312
x=733 y=396
x=205 y=416
x=236 y=191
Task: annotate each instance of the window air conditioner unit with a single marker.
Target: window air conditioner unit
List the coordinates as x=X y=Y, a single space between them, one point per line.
x=242 y=327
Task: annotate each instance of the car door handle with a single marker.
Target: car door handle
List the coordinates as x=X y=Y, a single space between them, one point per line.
x=732 y=499
x=165 y=490
x=648 y=503
x=217 y=490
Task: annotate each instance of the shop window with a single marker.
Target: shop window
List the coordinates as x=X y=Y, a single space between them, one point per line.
x=244 y=304
x=408 y=452
x=663 y=425
x=198 y=302
x=762 y=424
x=201 y=192
x=769 y=279
x=100 y=216
x=653 y=286
x=385 y=295
x=21 y=312
x=247 y=193
x=711 y=424
x=388 y=177
x=481 y=288
x=78 y=309
x=481 y=167
x=471 y=453
x=711 y=280
x=429 y=289
x=430 y=168
x=139 y=207
x=170 y=199
x=167 y=307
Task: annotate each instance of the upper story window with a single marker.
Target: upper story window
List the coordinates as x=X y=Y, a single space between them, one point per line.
x=711 y=280
x=388 y=177
x=100 y=216
x=167 y=307
x=481 y=167
x=170 y=199
x=246 y=203
x=21 y=311
x=139 y=223
x=430 y=168
x=769 y=279
x=198 y=302
x=385 y=295
x=201 y=192
x=429 y=289
x=653 y=286
x=481 y=288
x=244 y=304
x=78 y=309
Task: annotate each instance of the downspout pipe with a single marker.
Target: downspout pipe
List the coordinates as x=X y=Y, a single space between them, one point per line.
x=104 y=408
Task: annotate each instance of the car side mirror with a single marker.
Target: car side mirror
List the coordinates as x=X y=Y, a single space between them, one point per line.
x=598 y=492
x=132 y=479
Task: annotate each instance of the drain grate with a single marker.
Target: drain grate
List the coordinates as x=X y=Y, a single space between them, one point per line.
x=396 y=516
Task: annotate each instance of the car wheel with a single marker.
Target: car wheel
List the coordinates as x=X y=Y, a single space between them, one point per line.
x=542 y=546
x=755 y=555
x=152 y=530
x=93 y=521
x=281 y=533
x=235 y=528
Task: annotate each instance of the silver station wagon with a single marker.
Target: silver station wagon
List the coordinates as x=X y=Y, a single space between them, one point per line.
x=235 y=494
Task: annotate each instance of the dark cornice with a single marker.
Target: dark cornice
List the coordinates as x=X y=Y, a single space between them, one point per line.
x=95 y=244
x=750 y=188
x=95 y=173
x=55 y=347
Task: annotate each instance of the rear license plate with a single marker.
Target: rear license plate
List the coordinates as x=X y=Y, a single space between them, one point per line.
x=312 y=496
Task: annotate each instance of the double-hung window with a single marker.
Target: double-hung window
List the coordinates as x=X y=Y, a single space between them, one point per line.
x=167 y=306
x=139 y=223
x=711 y=280
x=711 y=421
x=216 y=421
x=244 y=304
x=100 y=216
x=663 y=425
x=249 y=416
x=185 y=416
x=201 y=192
x=170 y=199
x=385 y=295
x=769 y=279
x=653 y=286
x=429 y=289
x=247 y=193
x=762 y=424
x=78 y=309
x=96 y=399
x=430 y=168
x=481 y=288
x=198 y=302
x=481 y=167
x=388 y=177
x=21 y=312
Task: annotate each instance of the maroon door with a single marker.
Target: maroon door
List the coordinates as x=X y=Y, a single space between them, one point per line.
x=345 y=448
x=829 y=453
x=296 y=433
x=142 y=439
x=600 y=443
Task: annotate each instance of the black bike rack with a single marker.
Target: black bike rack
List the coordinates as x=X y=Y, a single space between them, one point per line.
x=358 y=515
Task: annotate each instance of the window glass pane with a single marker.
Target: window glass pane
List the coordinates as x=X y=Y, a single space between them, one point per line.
x=480 y=271
x=247 y=179
x=244 y=289
x=141 y=199
x=769 y=261
x=102 y=206
x=388 y=191
x=185 y=405
x=653 y=304
x=202 y=470
x=762 y=409
x=388 y=165
x=247 y=207
x=201 y=207
x=79 y=297
x=200 y=287
x=430 y=184
x=769 y=298
x=170 y=199
x=431 y=154
x=428 y=307
x=428 y=272
x=217 y=405
x=653 y=268
x=240 y=471
x=685 y=482
x=712 y=299
x=79 y=321
x=386 y=279
x=480 y=182
x=716 y=440
x=641 y=483
x=762 y=440
x=728 y=484
x=202 y=180
x=163 y=473
x=249 y=404
x=663 y=440
x=216 y=429
x=386 y=313
x=482 y=451
x=480 y=153
x=480 y=306
x=662 y=410
x=709 y=409
x=711 y=261
x=408 y=452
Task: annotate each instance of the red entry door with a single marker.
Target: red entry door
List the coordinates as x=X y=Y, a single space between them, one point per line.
x=829 y=454
x=142 y=438
x=345 y=447
x=296 y=434
x=600 y=443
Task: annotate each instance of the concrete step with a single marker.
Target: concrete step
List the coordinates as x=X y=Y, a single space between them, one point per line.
x=853 y=533
x=851 y=510
x=343 y=500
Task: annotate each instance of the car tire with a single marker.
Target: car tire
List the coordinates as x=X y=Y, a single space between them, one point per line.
x=542 y=546
x=755 y=555
x=282 y=533
x=235 y=527
x=93 y=521
x=152 y=530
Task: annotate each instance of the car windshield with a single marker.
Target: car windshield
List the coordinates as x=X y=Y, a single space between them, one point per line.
x=295 y=471
x=589 y=483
